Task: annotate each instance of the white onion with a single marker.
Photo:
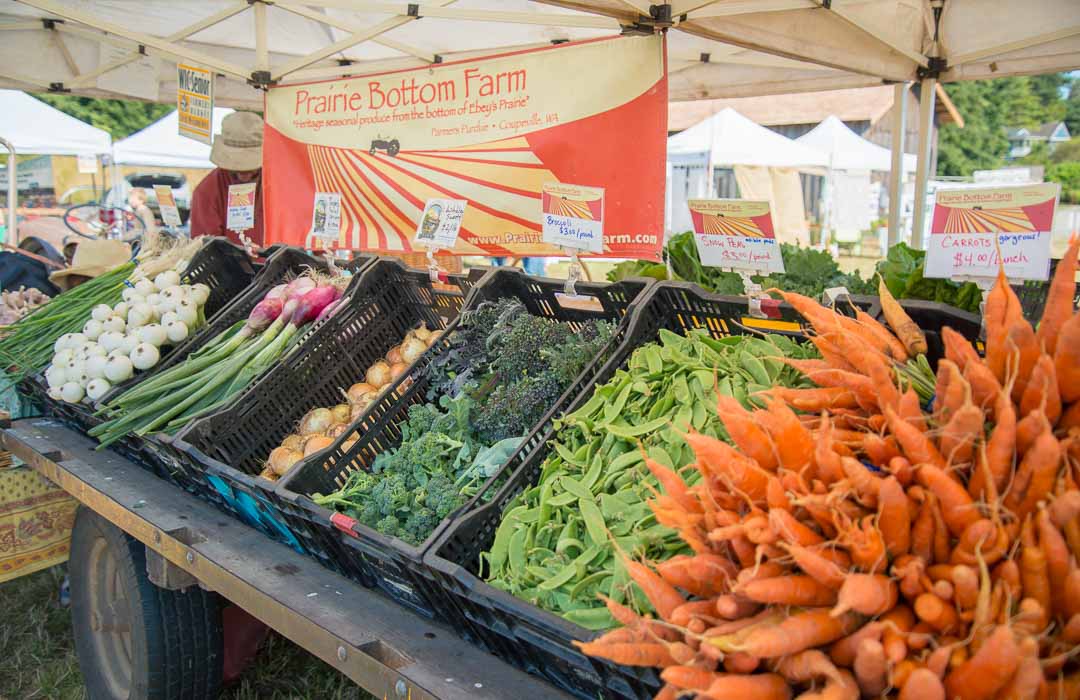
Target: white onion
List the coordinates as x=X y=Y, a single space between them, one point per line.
x=131 y=295
x=169 y=278
x=164 y=307
x=129 y=343
x=63 y=357
x=62 y=343
x=55 y=376
x=120 y=309
x=55 y=394
x=118 y=352
x=75 y=368
x=92 y=329
x=97 y=388
x=145 y=287
x=110 y=341
x=119 y=368
x=144 y=356
x=71 y=392
x=95 y=350
x=95 y=366
x=153 y=299
x=114 y=324
x=101 y=313
x=187 y=312
x=169 y=317
x=176 y=331
x=140 y=315
x=153 y=333
x=200 y=292
x=76 y=339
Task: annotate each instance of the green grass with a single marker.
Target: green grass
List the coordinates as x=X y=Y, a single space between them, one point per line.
x=37 y=654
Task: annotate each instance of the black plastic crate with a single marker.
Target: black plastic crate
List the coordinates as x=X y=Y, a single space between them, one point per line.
x=931 y=317
x=396 y=567
x=225 y=451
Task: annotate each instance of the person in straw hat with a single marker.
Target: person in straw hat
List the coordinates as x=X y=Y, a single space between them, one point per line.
x=92 y=258
x=237 y=151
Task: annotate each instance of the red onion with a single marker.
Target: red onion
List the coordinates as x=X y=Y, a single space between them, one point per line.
x=329 y=309
x=277 y=292
x=299 y=287
x=264 y=313
x=312 y=304
x=289 y=311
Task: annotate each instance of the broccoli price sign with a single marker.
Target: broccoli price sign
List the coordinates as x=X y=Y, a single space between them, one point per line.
x=736 y=233
x=973 y=231
x=573 y=216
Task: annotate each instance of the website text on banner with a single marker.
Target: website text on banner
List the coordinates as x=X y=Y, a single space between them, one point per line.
x=973 y=230
x=490 y=131
x=736 y=233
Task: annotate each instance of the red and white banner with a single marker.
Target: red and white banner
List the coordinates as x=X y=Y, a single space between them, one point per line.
x=492 y=131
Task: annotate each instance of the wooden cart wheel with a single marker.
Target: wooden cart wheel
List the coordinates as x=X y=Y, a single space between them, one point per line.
x=135 y=640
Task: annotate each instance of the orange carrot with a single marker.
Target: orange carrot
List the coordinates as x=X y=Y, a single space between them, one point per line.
x=1028 y=679
x=936 y=612
x=957 y=508
x=984 y=385
x=1024 y=351
x=829 y=468
x=797 y=632
x=1065 y=508
x=843 y=651
x=995 y=316
x=661 y=594
x=941 y=547
x=763 y=686
x=1070 y=417
x=950 y=391
x=958 y=436
x=922 y=684
x=907 y=330
x=1071 y=594
x=1066 y=360
x=682 y=615
x=887 y=342
x=1042 y=391
x=898 y=622
x=893 y=517
x=922 y=533
x=1059 y=299
x=865 y=483
x=818 y=316
x=1033 y=570
x=702 y=575
x=871 y=668
x=1041 y=461
x=966 y=584
x=740 y=663
x=869 y=594
x=788 y=528
x=629 y=654
x=997 y=458
x=688 y=677
x=983 y=535
x=807 y=666
x=747 y=435
x=1028 y=428
x=958 y=349
x=881 y=450
x=865 y=544
x=816 y=399
x=789 y=590
x=672 y=484
x=981 y=676
x=731 y=607
x=1056 y=554
x=1070 y=633
x=821 y=569
x=723 y=462
x=794 y=443
x=916 y=446
x=830 y=353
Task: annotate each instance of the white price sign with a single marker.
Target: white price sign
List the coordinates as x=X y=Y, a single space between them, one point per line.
x=973 y=231
x=240 y=214
x=440 y=223
x=170 y=214
x=326 y=216
x=736 y=233
x=195 y=102
x=573 y=216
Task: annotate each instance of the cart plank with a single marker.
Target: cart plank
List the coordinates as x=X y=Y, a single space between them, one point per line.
x=384 y=648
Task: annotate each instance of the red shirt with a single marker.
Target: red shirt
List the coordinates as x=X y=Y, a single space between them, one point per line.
x=209 y=205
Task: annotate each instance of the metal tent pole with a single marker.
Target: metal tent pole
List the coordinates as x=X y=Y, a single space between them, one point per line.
x=12 y=236
x=927 y=96
x=896 y=174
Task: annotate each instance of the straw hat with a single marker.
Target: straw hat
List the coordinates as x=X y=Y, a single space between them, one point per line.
x=93 y=258
x=239 y=145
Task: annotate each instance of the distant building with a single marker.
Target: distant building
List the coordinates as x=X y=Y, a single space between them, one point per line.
x=1022 y=140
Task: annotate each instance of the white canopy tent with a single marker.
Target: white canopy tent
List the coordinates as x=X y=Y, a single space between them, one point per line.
x=35 y=128
x=717 y=48
x=161 y=144
x=847 y=150
x=729 y=138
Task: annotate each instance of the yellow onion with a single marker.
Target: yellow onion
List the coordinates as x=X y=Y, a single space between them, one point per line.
x=422 y=333
x=394 y=356
x=396 y=370
x=357 y=392
x=340 y=413
x=358 y=409
x=412 y=349
x=316 y=443
x=293 y=442
x=282 y=458
x=268 y=474
x=434 y=337
x=338 y=429
x=378 y=375
x=317 y=420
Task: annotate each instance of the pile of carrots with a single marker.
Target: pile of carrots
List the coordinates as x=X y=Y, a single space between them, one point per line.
x=855 y=543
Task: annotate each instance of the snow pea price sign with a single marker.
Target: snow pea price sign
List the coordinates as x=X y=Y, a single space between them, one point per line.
x=240 y=212
x=974 y=230
x=573 y=216
x=440 y=223
x=736 y=233
x=170 y=214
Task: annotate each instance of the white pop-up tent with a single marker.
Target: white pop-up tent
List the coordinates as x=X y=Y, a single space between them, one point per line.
x=161 y=145
x=729 y=138
x=35 y=128
x=716 y=48
x=847 y=150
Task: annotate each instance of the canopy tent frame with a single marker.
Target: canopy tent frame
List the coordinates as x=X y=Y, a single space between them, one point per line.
x=816 y=44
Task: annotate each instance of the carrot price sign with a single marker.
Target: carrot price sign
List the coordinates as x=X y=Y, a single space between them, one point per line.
x=736 y=233
x=973 y=231
x=573 y=216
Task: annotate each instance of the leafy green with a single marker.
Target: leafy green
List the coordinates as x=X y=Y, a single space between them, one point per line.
x=903 y=271
x=809 y=271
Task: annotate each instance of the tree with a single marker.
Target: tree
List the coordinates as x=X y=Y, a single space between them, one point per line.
x=1070 y=150
x=1049 y=89
x=120 y=118
x=982 y=143
x=1072 y=109
x=1068 y=174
